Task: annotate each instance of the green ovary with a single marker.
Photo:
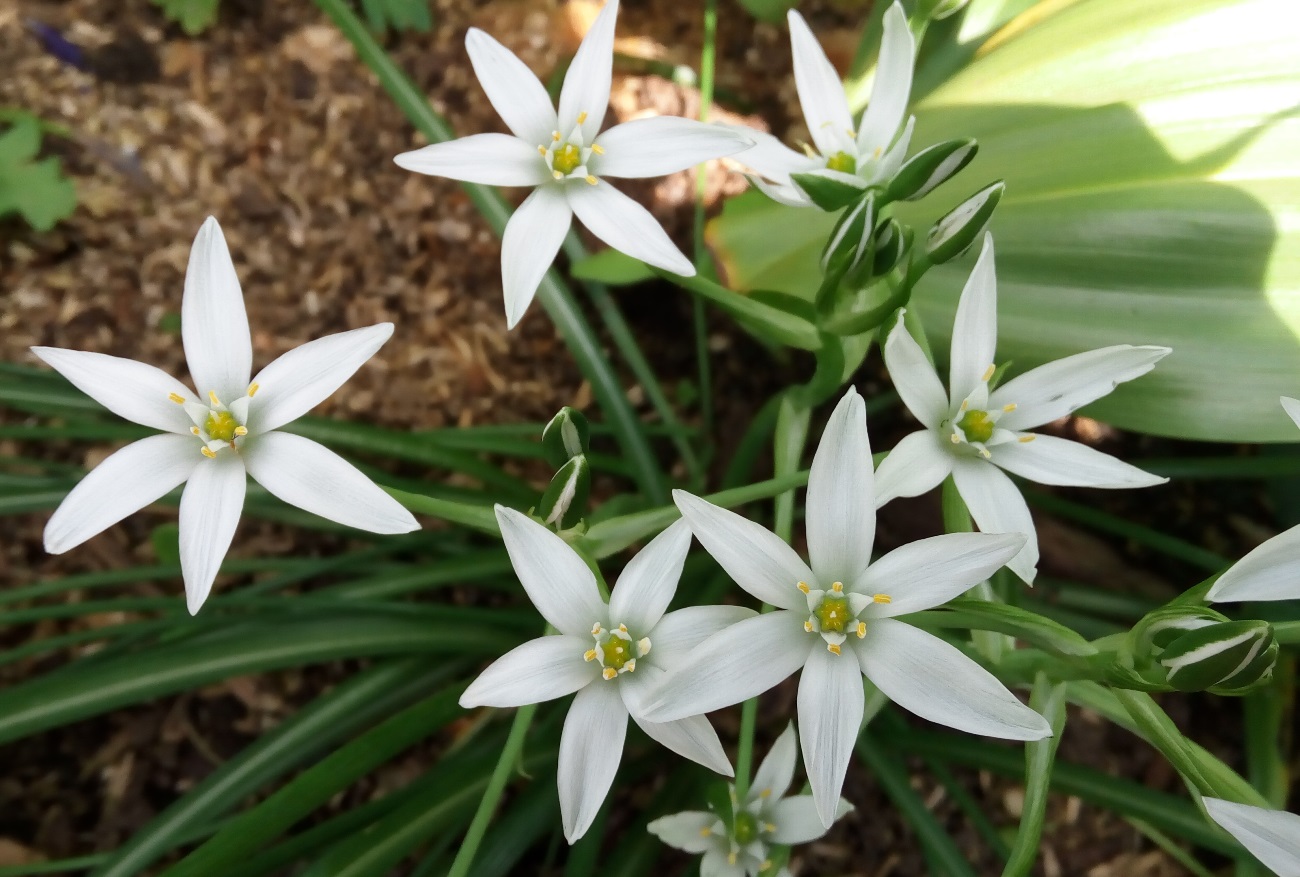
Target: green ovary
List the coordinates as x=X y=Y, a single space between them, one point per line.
x=833 y=614
x=616 y=652
x=567 y=159
x=745 y=830
x=842 y=162
x=221 y=425
x=976 y=425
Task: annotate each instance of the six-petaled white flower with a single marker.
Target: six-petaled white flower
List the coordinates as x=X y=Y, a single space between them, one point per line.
x=866 y=156
x=1272 y=836
x=566 y=156
x=765 y=818
x=972 y=432
x=610 y=654
x=839 y=618
x=229 y=428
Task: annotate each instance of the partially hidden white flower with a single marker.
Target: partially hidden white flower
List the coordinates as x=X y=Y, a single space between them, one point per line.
x=1272 y=836
x=567 y=157
x=764 y=819
x=861 y=157
x=610 y=654
x=1272 y=570
x=973 y=433
x=231 y=427
x=840 y=618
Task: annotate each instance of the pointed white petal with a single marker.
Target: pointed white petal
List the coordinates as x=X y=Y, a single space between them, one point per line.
x=532 y=238
x=1272 y=836
x=830 y=711
x=647 y=584
x=1267 y=573
x=924 y=674
x=519 y=99
x=539 y=670
x=679 y=632
x=821 y=94
x=914 y=376
x=626 y=226
x=210 y=507
x=1061 y=387
x=663 y=145
x=586 y=84
x=302 y=378
x=214 y=326
x=797 y=821
x=125 y=482
x=930 y=572
x=788 y=194
x=893 y=158
x=1051 y=460
x=755 y=557
x=735 y=664
x=689 y=831
x=130 y=389
x=1292 y=408
x=557 y=581
x=975 y=329
x=916 y=464
x=893 y=85
x=772 y=779
x=997 y=507
x=692 y=737
x=714 y=863
x=591 y=746
x=772 y=159
x=841 y=507
x=490 y=159
x=314 y=478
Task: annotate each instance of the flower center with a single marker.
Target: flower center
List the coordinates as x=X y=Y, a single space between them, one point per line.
x=221 y=425
x=834 y=613
x=217 y=425
x=615 y=650
x=976 y=425
x=842 y=162
x=745 y=828
x=567 y=157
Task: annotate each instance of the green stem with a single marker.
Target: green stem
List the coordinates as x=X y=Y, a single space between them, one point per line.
x=707 y=58
x=956 y=519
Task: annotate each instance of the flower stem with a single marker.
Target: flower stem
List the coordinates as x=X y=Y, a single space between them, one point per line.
x=702 y=264
x=956 y=519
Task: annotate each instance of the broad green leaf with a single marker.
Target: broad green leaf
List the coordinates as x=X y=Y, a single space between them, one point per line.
x=612 y=268
x=1153 y=197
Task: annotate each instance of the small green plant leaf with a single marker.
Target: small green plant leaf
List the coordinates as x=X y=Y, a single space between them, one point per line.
x=35 y=190
x=194 y=16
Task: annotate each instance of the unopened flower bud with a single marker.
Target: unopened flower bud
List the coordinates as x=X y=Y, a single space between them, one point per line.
x=954 y=234
x=565 y=437
x=931 y=168
x=830 y=191
x=850 y=238
x=1226 y=658
x=565 y=498
x=891 y=244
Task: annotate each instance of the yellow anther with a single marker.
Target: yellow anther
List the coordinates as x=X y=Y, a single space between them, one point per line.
x=767 y=863
x=803 y=586
x=591 y=179
x=589 y=655
x=194 y=429
x=807 y=626
x=582 y=117
x=177 y=398
x=609 y=673
x=252 y=389
x=555 y=136
x=862 y=630
x=630 y=666
x=212 y=394
x=209 y=453
x=988 y=372
x=837 y=587
x=833 y=648
x=986 y=453
x=1009 y=407
x=557 y=174
x=1024 y=439
x=956 y=439
x=598 y=149
x=643 y=647
x=881 y=598
x=541 y=150
x=241 y=430
x=705 y=832
x=623 y=628
x=766 y=793
x=965 y=403
x=595 y=629
x=731 y=858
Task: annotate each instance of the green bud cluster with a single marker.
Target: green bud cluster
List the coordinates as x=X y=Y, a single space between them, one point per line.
x=565 y=441
x=1192 y=648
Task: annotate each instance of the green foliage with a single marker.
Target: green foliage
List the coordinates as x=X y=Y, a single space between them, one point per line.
x=398 y=15
x=769 y=10
x=194 y=16
x=34 y=189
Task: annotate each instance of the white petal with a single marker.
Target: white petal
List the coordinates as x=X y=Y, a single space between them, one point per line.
x=557 y=581
x=893 y=158
x=735 y=664
x=755 y=557
x=125 y=482
x=1059 y=388
x=519 y=99
x=1268 y=572
x=532 y=238
x=129 y=389
x=821 y=94
x=930 y=572
x=975 y=330
x=797 y=821
x=914 y=376
x=924 y=674
x=586 y=84
x=314 y=478
x=1272 y=836
x=692 y=737
x=893 y=84
x=490 y=159
x=715 y=863
x=210 y=507
x=626 y=226
x=916 y=464
x=1051 y=460
x=647 y=584
x=1292 y=408
x=772 y=779
x=679 y=632
x=830 y=711
x=690 y=831
x=788 y=194
x=662 y=145
x=841 y=507
x=997 y=507
x=591 y=746
x=772 y=159
x=214 y=325
x=539 y=670
x=302 y=378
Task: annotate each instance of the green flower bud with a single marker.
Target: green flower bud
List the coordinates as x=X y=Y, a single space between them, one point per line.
x=945 y=8
x=931 y=168
x=1226 y=658
x=850 y=238
x=565 y=498
x=953 y=234
x=829 y=192
x=891 y=245
x=565 y=437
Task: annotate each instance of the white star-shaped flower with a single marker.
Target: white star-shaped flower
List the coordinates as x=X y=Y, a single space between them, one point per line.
x=765 y=818
x=973 y=433
x=840 y=618
x=1272 y=836
x=610 y=654
x=230 y=427
x=566 y=156
x=866 y=156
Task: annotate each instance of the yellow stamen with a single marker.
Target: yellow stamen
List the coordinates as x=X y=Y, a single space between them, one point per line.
x=881 y=598
x=988 y=372
x=803 y=586
x=595 y=629
x=956 y=439
x=862 y=630
x=622 y=628
x=241 y=430
x=213 y=396
x=1009 y=407
x=807 y=626
x=557 y=175
x=541 y=150
x=878 y=152
x=986 y=453
x=832 y=648
x=209 y=453
x=555 y=135
x=589 y=655
x=705 y=832
x=1025 y=439
x=582 y=117
x=194 y=429
x=252 y=389
x=598 y=149
x=591 y=179
x=609 y=673
x=177 y=398
x=630 y=666
x=731 y=858
x=766 y=793
x=837 y=587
